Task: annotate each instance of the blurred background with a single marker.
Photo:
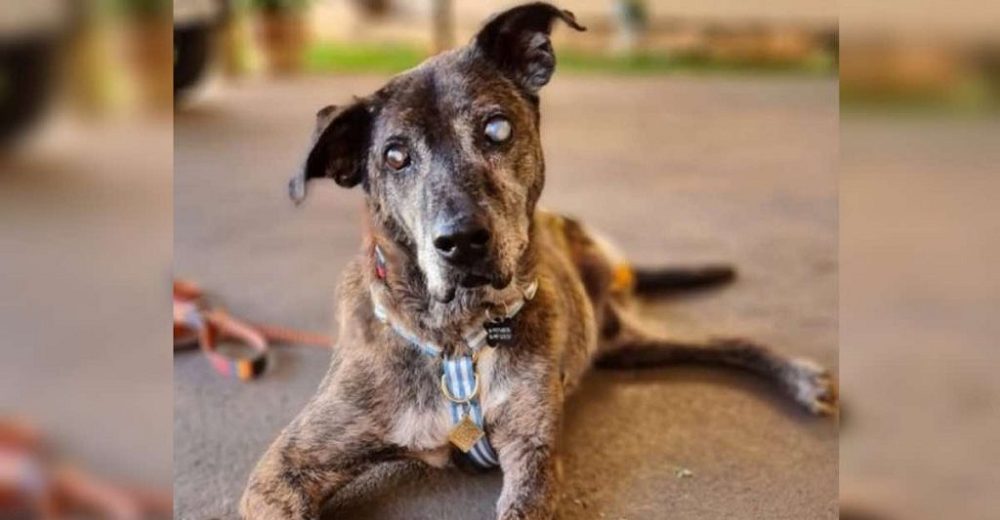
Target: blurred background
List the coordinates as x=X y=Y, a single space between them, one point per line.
x=145 y=139
x=285 y=37
x=86 y=160
x=918 y=225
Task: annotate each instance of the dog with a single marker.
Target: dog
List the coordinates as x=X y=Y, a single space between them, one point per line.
x=470 y=314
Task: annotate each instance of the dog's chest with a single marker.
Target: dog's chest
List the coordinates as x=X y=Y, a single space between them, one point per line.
x=424 y=429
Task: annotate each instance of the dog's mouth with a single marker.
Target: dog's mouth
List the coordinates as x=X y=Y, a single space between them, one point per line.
x=496 y=280
x=473 y=281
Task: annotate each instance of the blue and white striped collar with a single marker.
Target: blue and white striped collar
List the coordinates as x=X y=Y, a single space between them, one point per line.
x=474 y=336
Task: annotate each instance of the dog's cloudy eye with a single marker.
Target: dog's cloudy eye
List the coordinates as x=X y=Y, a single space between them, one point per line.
x=397 y=156
x=498 y=129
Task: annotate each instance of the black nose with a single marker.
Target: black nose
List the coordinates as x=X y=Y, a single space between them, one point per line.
x=462 y=242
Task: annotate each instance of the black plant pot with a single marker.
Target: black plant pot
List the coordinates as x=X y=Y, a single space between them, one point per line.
x=26 y=83
x=192 y=45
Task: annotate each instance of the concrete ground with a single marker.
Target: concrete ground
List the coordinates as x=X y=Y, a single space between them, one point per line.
x=919 y=294
x=85 y=246
x=677 y=170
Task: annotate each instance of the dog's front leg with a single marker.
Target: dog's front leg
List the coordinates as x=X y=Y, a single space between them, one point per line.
x=526 y=441
x=327 y=446
x=529 y=481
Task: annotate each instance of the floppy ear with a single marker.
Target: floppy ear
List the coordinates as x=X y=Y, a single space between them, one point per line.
x=517 y=41
x=339 y=148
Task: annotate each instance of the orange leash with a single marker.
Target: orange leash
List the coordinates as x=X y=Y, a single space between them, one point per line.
x=33 y=484
x=197 y=323
x=292 y=336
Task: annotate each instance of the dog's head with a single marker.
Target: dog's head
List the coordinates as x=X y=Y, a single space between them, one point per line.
x=449 y=153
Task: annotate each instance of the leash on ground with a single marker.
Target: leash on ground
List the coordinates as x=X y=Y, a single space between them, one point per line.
x=36 y=483
x=197 y=324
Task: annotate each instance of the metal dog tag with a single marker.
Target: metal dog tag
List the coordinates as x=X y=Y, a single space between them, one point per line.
x=465 y=434
x=500 y=332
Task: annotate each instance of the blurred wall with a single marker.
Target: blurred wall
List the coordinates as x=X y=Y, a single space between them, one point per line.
x=410 y=21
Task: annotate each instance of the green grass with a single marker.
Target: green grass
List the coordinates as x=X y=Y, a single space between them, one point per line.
x=331 y=57
x=663 y=63
x=974 y=97
x=335 y=57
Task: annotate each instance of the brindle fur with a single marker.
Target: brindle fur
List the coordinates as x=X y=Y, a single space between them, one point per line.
x=380 y=400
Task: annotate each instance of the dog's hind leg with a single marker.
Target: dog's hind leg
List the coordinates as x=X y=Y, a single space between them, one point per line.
x=634 y=347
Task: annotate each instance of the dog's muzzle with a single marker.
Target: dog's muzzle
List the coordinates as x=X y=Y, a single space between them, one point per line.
x=464 y=243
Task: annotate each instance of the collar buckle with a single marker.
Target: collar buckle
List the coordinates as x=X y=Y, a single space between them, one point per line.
x=466 y=400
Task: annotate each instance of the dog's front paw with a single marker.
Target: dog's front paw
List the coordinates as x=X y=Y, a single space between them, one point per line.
x=524 y=515
x=257 y=506
x=813 y=387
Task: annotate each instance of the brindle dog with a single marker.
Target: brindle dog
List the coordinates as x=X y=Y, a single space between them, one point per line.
x=450 y=160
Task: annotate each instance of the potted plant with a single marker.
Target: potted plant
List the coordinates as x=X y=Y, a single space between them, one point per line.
x=282 y=31
x=235 y=39
x=150 y=31
x=28 y=57
x=196 y=24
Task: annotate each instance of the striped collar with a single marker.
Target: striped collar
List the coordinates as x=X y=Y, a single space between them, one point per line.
x=475 y=335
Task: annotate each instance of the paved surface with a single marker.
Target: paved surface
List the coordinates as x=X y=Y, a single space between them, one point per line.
x=919 y=293
x=676 y=170
x=85 y=246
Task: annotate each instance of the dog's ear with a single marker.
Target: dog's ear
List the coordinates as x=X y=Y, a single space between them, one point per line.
x=517 y=41
x=339 y=148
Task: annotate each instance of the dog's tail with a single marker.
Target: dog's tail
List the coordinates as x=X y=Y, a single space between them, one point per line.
x=666 y=280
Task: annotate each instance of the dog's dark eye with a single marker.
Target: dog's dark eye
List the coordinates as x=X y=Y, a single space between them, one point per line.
x=498 y=129
x=397 y=156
